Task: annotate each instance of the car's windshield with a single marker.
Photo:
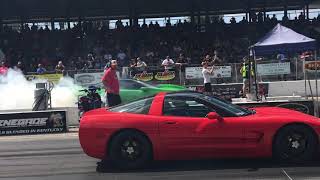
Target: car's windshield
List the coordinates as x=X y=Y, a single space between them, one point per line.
x=132 y=84
x=234 y=109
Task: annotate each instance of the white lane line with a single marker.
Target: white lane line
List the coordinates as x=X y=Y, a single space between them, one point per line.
x=284 y=172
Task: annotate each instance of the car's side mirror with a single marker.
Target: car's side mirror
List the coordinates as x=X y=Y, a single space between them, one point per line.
x=215 y=116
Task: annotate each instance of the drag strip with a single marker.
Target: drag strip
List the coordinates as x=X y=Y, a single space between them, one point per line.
x=59 y=156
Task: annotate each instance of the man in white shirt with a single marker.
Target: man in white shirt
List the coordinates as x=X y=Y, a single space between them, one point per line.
x=168 y=63
x=207 y=73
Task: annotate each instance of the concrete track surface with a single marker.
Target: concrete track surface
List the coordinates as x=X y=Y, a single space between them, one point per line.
x=59 y=156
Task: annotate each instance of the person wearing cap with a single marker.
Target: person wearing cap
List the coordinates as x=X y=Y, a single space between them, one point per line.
x=111 y=84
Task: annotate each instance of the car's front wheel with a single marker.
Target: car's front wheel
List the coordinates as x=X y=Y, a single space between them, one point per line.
x=295 y=143
x=130 y=150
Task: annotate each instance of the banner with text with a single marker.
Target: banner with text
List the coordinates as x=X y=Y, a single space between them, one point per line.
x=158 y=75
x=273 y=69
x=88 y=79
x=33 y=123
x=218 y=72
x=55 y=78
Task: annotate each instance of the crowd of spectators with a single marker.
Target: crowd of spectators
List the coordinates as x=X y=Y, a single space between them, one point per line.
x=91 y=45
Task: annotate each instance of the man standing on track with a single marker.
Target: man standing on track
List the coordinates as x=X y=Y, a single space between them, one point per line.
x=207 y=73
x=111 y=84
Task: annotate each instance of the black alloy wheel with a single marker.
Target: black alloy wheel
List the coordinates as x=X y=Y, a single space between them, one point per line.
x=295 y=143
x=130 y=150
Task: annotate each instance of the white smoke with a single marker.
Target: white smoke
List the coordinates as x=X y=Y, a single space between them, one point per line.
x=18 y=93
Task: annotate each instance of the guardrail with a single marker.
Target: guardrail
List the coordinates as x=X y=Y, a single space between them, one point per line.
x=267 y=71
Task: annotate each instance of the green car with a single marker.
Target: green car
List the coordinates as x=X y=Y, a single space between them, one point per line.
x=132 y=89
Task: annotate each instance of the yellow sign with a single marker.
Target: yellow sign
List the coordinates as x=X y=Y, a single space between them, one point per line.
x=143 y=76
x=55 y=78
x=165 y=76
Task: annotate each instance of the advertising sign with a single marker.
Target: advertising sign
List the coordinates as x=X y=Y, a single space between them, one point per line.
x=218 y=72
x=88 y=79
x=273 y=69
x=33 y=123
x=312 y=66
x=144 y=76
x=153 y=75
x=55 y=78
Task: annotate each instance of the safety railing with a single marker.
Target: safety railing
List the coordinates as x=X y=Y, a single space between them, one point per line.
x=266 y=71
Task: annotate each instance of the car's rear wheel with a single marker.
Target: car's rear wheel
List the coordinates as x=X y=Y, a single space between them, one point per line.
x=130 y=150
x=295 y=143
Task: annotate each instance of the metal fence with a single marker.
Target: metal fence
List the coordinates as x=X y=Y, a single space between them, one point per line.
x=266 y=71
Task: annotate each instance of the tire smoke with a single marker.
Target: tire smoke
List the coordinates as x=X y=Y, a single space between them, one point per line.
x=18 y=93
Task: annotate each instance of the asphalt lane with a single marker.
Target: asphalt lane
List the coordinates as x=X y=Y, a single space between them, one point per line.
x=59 y=156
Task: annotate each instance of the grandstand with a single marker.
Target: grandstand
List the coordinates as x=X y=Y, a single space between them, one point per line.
x=46 y=32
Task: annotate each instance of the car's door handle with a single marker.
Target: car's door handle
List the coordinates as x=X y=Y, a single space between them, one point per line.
x=170 y=122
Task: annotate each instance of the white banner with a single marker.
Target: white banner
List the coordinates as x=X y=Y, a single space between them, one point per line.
x=88 y=79
x=273 y=69
x=219 y=71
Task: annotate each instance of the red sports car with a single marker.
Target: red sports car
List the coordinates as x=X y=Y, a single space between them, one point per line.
x=190 y=125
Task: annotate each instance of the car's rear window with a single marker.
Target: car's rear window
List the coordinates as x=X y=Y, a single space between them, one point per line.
x=137 y=107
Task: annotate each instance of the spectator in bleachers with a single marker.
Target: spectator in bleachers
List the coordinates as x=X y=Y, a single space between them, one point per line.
x=90 y=61
x=140 y=63
x=217 y=60
x=133 y=63
x=168 y=63
x=41 y=69
x=20 y=67
x=60 y=68
x=274 y=19
x=207 y=59
x=121 y=56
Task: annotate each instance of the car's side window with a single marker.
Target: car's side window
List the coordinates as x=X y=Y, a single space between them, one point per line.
x=185 y=106
x=137 y=107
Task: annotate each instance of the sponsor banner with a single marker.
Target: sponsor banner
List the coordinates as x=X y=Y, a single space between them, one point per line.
x=306 y=107
x=273 y=69
x=153 y=75
x=229 y=91
x=33 y=123
x=144 y=76
x=219 y=71
x=311 y=66
x=55 y=78
x=165 y=76
x=88 y=79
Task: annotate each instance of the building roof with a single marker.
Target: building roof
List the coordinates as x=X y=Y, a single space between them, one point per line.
x=29 y=9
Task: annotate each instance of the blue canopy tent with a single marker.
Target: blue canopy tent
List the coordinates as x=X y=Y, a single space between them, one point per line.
x=282 y=39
